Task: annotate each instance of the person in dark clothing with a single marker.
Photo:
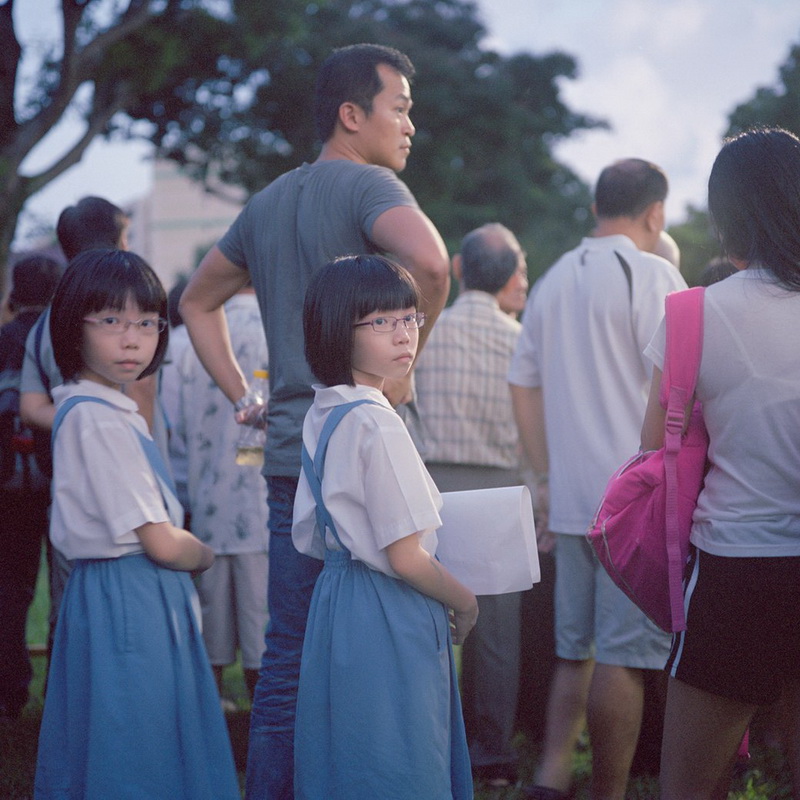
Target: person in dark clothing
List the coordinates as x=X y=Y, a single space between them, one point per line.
x=24 y=490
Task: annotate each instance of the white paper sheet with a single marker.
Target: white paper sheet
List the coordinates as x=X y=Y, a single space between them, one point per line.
x=488 y=540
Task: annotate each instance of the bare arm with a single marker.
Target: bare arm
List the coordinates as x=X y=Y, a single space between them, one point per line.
x=214 y=282
x=528 y=406
x=654 y=416
x=412 y=239
x=37 y=410
x=174 y=548
x=420 y=570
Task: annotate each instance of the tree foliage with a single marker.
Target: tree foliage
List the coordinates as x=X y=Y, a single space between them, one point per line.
x=226 y=86
x=486 y=123
x=773 y=106
x=109 y=57
x=697 y=242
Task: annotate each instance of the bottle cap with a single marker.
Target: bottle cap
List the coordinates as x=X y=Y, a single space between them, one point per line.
x=260 y=373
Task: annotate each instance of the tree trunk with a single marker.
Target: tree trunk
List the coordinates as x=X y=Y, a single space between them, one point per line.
x=13 y=195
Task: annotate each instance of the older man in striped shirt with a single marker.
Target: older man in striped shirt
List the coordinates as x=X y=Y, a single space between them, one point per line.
x=471 y=442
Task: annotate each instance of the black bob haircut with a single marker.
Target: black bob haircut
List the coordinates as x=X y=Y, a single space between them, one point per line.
x=93 y=281
x=342 y=292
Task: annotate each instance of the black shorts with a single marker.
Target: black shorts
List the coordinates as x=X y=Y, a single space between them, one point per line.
x=743 y=627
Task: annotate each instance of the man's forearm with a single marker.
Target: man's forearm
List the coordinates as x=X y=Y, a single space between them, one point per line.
x=208 y=331
x=528 y=405
x=214 y=282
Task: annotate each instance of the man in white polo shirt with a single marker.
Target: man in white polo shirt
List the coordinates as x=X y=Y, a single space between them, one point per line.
x=579 y=385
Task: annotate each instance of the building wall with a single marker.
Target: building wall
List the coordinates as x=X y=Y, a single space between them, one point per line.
x=177 y=220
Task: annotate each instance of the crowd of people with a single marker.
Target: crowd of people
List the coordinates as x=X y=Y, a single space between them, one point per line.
x=325 y=582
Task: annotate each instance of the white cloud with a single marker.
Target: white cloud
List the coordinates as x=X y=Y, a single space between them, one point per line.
x=664 y=73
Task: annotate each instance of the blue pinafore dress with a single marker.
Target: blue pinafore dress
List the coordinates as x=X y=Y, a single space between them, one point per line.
x=378 y=709
x=132 y=710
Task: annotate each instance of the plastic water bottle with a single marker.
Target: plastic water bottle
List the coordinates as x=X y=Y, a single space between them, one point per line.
x=250 y=447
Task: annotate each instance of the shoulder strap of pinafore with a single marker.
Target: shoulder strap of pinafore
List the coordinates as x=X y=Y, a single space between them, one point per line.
x=315 y=470
x=150 y=448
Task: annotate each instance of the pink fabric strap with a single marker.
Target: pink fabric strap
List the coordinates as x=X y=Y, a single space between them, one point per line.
x=684 y=349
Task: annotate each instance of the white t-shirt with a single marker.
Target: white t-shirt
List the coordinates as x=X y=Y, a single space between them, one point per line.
x=103 y=484
x=749 y=385
x=583 y=333
x=375 y=485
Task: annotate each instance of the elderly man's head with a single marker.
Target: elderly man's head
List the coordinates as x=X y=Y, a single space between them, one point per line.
x=491 y=260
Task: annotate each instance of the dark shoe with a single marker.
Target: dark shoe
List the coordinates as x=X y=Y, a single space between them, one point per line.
x=533 y=792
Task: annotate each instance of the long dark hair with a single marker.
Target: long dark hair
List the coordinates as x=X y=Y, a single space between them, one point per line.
x=754 y=201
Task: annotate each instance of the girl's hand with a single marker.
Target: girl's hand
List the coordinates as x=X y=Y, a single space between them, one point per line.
x=427 y=575
x=174 y=548
x=462 y=622
x=206 y=560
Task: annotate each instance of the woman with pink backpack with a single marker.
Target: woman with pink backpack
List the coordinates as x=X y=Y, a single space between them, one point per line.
x=741 y=646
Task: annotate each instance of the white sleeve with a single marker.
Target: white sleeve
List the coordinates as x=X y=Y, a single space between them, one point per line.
x=399 y=495
x=524 y=368
x=107 y=471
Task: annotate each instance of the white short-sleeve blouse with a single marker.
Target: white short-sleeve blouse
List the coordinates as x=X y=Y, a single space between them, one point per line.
x=375 y=486
x=103 y=484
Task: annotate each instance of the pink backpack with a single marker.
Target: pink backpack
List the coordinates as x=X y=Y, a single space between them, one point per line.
x=641 y=529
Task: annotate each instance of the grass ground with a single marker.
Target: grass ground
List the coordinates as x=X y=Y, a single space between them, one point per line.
x=764 y=777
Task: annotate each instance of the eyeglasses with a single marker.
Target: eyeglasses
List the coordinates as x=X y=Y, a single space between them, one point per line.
x=389 y=324
x=149 y=326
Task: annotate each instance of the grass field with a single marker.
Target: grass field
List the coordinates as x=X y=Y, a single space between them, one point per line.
x=764 y=777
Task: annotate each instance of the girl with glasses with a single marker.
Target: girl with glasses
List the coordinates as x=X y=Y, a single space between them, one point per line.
x=131 y=708
x=378 y=712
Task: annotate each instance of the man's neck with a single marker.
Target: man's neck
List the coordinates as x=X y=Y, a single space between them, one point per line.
x=336 y=149
x=621 y=226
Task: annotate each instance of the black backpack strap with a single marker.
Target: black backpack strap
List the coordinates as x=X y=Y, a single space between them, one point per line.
x=626 y=268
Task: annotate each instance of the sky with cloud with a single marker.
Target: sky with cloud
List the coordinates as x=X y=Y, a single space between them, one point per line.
x=664 y=73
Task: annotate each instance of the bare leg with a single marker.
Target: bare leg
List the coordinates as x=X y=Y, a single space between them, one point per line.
x=566 y=715
x=218 y=677
x=250 y=680
x=702 y=732
x=615 y=704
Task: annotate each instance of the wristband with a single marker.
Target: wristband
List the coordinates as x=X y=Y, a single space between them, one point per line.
x=242 y=403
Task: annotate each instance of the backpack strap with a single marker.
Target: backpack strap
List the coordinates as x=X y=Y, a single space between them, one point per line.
x=315 y=470
x=684 y=350
x=684 y=345
x=626 y=268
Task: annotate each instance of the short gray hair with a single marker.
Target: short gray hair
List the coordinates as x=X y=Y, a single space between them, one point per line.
x=489 y=257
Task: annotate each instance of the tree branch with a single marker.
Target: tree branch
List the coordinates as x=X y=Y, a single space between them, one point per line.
x=96 y=124
x=77 y=67
x=10 y=52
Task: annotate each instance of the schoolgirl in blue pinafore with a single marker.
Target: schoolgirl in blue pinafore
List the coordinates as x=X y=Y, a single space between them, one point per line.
x=131 y=710
x=378 y=710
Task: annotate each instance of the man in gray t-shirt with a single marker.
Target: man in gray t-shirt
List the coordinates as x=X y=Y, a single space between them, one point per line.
x=348 y=201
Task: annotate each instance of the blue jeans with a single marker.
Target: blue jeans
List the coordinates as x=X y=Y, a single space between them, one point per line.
x=270 y=757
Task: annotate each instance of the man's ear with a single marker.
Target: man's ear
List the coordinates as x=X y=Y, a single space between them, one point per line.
x=653 y=217
x=350 y=116
x=456 y=266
